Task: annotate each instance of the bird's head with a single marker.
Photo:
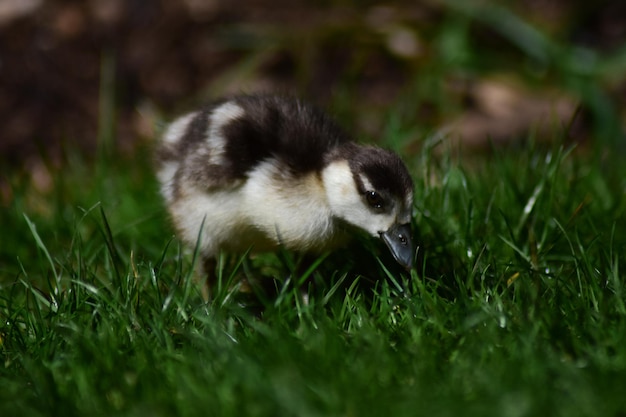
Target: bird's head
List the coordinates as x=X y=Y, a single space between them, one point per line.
x=371 y=188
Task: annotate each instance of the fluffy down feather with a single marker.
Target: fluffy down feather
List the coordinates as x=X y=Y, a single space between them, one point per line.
x=263 y=171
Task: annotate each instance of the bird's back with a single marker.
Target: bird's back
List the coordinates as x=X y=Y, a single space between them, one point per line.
x=222 y=143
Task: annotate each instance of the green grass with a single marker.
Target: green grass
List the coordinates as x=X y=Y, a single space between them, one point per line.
x=517 y=307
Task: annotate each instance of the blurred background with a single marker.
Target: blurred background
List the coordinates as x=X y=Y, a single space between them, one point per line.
x=77 y=74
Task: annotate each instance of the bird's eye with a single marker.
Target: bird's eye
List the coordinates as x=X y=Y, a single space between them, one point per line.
x=374 y=200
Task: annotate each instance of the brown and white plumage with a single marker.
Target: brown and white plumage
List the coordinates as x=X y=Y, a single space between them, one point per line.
x=264 y=171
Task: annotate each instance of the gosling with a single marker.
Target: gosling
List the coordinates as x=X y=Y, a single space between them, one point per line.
x=261 y=171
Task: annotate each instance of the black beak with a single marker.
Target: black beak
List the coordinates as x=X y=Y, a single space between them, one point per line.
x=398 y=240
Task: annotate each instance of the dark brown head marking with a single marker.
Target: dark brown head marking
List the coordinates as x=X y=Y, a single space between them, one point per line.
x=382 y=168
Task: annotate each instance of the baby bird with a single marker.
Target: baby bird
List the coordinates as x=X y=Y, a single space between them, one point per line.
x=264 y=171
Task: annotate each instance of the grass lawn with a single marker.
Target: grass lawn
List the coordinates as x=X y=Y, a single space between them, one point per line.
x=517 y=307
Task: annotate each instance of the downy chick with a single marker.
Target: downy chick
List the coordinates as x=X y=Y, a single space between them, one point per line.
x=265 y=171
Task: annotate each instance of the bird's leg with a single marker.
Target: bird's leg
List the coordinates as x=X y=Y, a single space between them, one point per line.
x=304 y=266
x=207 y=277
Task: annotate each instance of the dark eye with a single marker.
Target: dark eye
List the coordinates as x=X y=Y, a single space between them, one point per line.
x=374 y=199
